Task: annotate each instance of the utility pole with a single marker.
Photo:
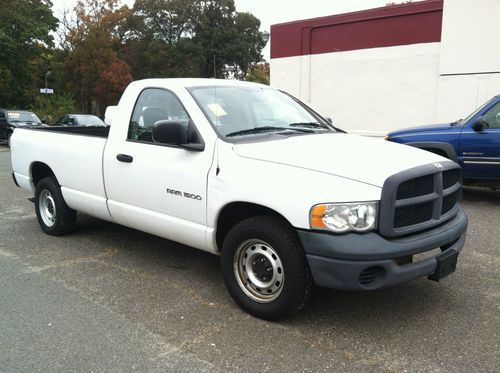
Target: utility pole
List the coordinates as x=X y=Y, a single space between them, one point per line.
x=47 y=74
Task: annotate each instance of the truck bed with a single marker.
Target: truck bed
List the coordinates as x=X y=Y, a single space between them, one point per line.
x=74 y=154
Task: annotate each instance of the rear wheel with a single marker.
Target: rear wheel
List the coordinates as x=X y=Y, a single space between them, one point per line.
x=53 y=214
x=265 y=269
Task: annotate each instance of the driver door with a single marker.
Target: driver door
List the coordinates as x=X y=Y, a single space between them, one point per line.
x=158 y=188
x=480 y=150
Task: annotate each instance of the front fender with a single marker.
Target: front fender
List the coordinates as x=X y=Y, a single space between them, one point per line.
x=442 y=147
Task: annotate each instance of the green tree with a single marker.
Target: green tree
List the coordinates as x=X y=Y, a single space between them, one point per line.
x=25 y=41
x=167 y=20
x=230 y=41
x=159 y=39
x=175 y=38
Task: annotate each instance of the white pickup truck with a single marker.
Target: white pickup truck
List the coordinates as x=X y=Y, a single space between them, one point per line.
x=249 y=173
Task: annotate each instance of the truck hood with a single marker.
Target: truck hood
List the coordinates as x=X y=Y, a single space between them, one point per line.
x=363 y=159
x=424 y=129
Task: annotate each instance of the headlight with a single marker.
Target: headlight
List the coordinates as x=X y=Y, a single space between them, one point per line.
x=343 y=217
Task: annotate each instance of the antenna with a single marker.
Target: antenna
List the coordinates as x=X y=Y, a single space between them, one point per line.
x=217 y=102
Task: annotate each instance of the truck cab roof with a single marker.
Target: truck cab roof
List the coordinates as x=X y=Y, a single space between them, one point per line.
x=191 y=82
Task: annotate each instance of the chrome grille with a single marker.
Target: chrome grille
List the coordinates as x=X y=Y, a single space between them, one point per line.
x=420 y=198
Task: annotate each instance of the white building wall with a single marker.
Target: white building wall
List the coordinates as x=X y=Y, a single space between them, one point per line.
x=460 y=95
x=374 y=91
x=368 y=91
x=469 y=65
x=470 y=37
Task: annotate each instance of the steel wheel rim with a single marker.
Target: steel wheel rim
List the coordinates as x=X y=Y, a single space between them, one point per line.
x=47 y=207
x=259 y=271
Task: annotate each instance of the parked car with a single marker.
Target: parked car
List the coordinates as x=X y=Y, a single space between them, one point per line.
x=84 y=120
x=249 y=173
x=12 y=119
x=473 y=142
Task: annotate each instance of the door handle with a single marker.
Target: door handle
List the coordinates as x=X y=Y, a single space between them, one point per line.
x=125 y=158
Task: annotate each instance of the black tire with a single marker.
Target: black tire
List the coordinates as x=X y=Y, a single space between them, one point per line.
x=53 y=214
x=268 y=235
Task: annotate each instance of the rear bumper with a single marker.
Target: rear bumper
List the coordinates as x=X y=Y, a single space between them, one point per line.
x=345 y=261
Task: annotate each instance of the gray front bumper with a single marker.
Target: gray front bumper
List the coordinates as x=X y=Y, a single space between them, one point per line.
x=337 y=261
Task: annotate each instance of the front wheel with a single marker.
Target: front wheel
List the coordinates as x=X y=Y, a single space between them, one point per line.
x=53 y=214
x=265 y=269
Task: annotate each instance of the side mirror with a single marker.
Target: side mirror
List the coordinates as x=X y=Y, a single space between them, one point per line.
x=329 y=120
x=171 y=132
x=109 y=114
x=479 y=125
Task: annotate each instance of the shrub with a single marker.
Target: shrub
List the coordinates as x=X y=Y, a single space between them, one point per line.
x=50 y=108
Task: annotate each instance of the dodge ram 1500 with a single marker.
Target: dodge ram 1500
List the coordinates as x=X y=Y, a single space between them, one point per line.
x=250 y=173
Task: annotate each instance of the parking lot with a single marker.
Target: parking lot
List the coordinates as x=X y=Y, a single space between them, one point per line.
x=112 y=298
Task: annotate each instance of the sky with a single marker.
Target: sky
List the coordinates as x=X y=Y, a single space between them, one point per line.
x=274 y=11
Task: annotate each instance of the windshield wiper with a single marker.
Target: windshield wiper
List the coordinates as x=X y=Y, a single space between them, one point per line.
x=456 y=122
x=308 y=125
x=316 y=125
x=263 y=129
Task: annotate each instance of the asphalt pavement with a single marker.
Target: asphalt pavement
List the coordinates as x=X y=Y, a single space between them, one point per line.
x=110 y=298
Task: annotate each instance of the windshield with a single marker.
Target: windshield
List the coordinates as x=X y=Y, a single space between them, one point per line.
x=250 y=111
x=22 y=116
x=463 y=121
x=89 y=120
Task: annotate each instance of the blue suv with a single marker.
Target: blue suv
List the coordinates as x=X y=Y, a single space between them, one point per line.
x=473 y=142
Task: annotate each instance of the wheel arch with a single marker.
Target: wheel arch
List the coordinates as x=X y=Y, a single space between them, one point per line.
x=440 y=148
x=39 y=170
x=234 y=213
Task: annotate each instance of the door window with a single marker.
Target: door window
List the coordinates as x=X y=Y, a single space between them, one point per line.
x=492 y=116
x=63 y=121
x=153 y=105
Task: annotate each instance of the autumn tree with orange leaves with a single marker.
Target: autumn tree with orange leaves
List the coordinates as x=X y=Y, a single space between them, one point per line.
x=112 y=81
x=90 y=41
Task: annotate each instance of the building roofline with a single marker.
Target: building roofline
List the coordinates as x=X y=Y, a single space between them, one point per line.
x=383 y=11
